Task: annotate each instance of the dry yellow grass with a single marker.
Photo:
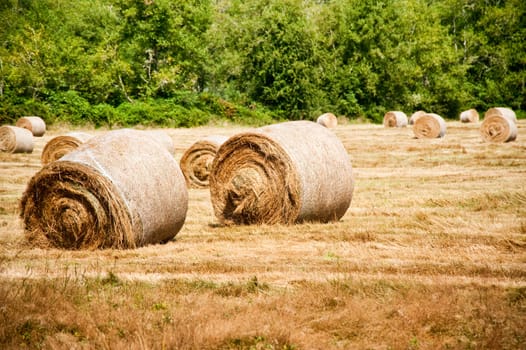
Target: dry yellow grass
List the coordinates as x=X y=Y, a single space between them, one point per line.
x=431 y=254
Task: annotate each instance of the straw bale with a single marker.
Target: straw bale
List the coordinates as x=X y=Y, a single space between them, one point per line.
x=36 y=125
x=328 y=120
x=162 y=138
x=469 y=116
x=498 y=128
x=430 y=126
x=395 y=119
x=415 y=116
x=62 y=145
x=503 y=112
x=14 y=139
x=197 y=160
x=283 y=173
x=120 y=189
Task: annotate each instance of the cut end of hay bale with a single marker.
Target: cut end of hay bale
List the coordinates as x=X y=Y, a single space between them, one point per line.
x=36 y=125
x=498 y=128
x=14 y=139
x=395 y=119
x=252 y=182
x=415 y=116
x=429 y=126
x=469 y=116
x=327 y=120
x=61 y=145
x=196 y=162
x=282 y=173
x=117 y=190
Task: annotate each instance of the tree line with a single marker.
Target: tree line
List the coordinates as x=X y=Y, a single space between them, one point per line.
x=183 y=63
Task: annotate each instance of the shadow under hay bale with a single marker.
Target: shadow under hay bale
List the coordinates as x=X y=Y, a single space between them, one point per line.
x=14 y=139
x=36 y=125
x=328 y=120
x=197 y=160
x=415 y=116
x=429 y=126
x=395 y=119
x=61 y=145
x=469 y=116
x=118 y=190
x=282 y=173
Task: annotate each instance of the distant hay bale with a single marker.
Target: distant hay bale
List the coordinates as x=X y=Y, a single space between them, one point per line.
x=36 y=125
x=118 y=190
x=395 y=119
x=501 y=111
x=430 y=126
x=62 y=145
x=498 y=128
x=283 y=173
x=14 y=139
x=415 y=116
x=328 y=120
x=197 y=160
x=162 y=138
x=469 y=116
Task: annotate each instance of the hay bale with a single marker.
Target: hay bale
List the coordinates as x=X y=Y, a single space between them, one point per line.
x=62 y=145
x=36 y=125
x=469 y=116
x=196 y=161
x=415 y=116
x=430 y=126
x=503 y=112
x=498 y=128
x=118 y=190
x=394 y=119
x=328 y=120
x=283 y=173
x=14 y=139
x=162 y=138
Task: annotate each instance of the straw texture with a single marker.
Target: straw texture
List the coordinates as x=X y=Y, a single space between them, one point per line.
x=415 y=116
x=503 y=112
x=197 y=160
x=282 y=173
x=328 y=120
x=498 y=128
x=118 y=190
x=14 y=139
x=61 y=145
x=394 y=119
x=36 y=125
x=430 y=126
x=469 y=116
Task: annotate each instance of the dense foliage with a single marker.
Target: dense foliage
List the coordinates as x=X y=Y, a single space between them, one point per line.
x=126 y=62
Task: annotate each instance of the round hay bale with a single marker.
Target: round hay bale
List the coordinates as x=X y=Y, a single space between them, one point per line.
x=36 y=125
x=394 y=119
x=430 y=126
x=62 y=145
x=328 y=120
x=162 y=138
x=498 y=128
x=14 y=139
x=197 y=160
x=415 y=116
x=283 y=173
x=118 y=190
x=469 y=116
x=503 y=112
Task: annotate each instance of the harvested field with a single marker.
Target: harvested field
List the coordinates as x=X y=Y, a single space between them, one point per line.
x=431 y=254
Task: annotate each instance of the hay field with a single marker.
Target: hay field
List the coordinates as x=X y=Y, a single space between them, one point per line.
x=430 y=255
